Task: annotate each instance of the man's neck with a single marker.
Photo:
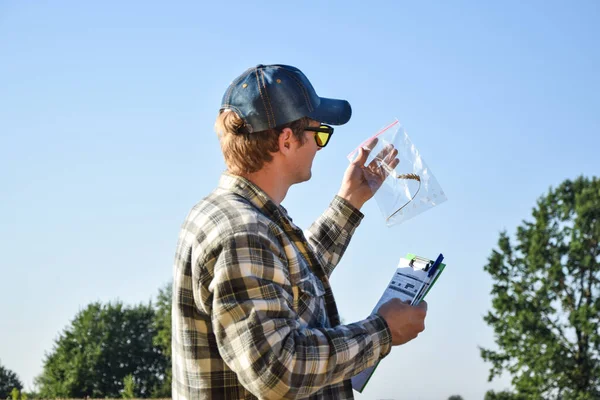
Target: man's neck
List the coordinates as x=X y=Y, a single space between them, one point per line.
x=270 y=182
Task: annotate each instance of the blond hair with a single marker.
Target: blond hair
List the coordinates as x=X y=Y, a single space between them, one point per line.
x=247 y=152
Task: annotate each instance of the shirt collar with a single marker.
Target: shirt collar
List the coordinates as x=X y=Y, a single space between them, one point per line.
x=255 y=195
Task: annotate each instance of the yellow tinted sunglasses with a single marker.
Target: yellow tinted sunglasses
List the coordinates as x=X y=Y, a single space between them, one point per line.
x=322 y=134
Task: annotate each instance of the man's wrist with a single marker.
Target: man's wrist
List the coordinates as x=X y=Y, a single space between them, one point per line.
x=384 y=334
x=353 y=201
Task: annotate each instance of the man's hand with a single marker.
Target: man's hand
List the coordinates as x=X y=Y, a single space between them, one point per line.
x=405 y=321
x=360 y=182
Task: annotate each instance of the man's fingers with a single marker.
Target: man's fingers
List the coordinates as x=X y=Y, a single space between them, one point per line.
x=364 y=151
x=385 y=162
x=391 y=155
x=382 y=156
x=371 y=144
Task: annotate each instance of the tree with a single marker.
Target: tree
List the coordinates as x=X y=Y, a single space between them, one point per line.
x=30 y=395
x=102 y=345
x=162 y=339
x=455 y=397
x=128 y=387
x=504 y=395
x=546 y=297
x=8 y=381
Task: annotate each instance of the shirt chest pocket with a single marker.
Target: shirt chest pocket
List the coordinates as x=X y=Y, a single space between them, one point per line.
x=309 y=301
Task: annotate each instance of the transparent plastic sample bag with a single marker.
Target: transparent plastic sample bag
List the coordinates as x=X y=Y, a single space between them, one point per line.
x=408 y=189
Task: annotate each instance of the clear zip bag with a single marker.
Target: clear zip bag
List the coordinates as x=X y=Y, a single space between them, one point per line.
x=408 y=189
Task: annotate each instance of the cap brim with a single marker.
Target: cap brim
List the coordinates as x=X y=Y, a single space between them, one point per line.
x=332 y=111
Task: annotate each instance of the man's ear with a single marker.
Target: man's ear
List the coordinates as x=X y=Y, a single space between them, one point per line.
x=285 y=140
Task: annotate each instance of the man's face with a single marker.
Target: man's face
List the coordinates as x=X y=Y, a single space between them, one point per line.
x=305 y=155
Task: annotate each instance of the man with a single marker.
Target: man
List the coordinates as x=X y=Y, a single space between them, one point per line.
x=253 y=311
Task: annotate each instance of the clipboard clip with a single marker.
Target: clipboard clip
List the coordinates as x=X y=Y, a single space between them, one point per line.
x=420 y=264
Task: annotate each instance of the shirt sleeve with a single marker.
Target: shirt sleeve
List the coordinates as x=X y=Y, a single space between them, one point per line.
x=261 y=338
x=330 y=235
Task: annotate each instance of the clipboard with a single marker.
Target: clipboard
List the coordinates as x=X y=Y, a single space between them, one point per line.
x=412 y=280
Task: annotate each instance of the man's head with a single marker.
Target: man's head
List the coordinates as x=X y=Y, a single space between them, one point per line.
x=265 y=113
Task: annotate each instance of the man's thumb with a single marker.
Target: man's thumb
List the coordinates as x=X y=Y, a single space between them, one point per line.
x=362 y=156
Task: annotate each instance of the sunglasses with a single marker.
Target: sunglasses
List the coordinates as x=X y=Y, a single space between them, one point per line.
x=322 y=134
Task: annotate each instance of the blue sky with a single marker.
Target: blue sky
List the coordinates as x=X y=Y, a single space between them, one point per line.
x=106 y=141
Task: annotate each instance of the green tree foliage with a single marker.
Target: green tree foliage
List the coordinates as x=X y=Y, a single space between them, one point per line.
x=102 y=345
x=162 y=339
x=14 y=394
x=546 y=297
x=455 y=397
x=8 y=381
x=128 y=387
x=504 y=395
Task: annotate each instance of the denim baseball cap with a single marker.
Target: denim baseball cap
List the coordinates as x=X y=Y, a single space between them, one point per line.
x=268 y=96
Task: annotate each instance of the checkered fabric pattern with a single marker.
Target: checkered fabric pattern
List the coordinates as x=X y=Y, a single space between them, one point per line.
x=253 y=311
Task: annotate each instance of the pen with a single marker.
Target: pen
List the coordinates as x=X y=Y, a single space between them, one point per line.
x=435 y=265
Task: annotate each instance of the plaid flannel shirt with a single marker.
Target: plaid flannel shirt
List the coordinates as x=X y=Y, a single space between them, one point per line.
x=253 y=311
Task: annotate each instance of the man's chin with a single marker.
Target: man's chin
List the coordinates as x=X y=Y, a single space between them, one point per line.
x=304 y=177
x=308 y=176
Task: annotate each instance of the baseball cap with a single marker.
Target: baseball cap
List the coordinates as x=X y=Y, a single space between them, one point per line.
x=268 y=96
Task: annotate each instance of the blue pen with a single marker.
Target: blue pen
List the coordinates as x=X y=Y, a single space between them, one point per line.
x=435 y=265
